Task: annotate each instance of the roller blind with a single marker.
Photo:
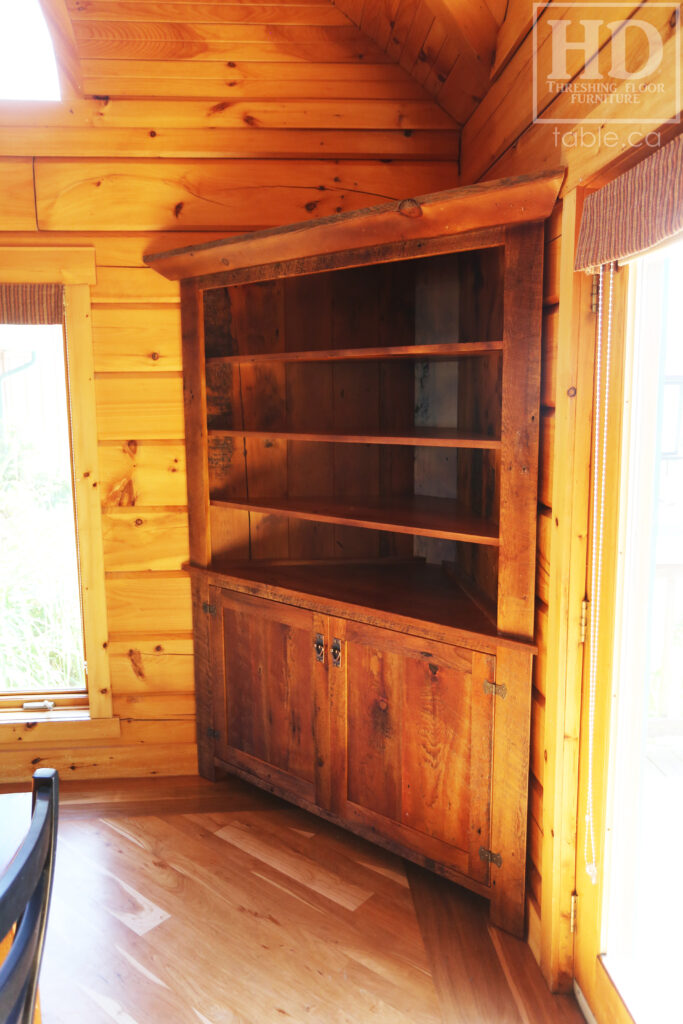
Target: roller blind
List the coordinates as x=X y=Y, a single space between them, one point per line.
x=636 y=212
x=31 y=304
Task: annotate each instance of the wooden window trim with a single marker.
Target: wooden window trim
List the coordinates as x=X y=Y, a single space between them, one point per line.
x=74 y=268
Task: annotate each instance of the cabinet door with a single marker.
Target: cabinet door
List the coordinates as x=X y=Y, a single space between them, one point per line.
x=264 y=677
x=418 y=722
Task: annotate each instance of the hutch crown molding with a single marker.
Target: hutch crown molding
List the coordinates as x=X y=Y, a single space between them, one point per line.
x=362 y=406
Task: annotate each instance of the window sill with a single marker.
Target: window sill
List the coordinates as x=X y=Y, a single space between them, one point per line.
x=55 y=727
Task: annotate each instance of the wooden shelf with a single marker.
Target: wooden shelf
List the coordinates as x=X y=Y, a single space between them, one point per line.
x=420 y=515
x=447 y=350
x=410 y=593
x=425 y=437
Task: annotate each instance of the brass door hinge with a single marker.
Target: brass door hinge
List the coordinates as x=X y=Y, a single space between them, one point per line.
x=490 y=857
x=208 y=609
x=572 y=912
x=584 y=621
x=595 y=292
x=497 y=689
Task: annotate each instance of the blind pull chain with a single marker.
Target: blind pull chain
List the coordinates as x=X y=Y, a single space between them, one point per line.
x=602 y=394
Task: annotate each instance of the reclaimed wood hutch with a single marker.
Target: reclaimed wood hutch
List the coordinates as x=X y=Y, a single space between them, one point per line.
x=362 y=406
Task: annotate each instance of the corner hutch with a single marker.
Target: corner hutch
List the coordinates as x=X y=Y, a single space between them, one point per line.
x=362 y=407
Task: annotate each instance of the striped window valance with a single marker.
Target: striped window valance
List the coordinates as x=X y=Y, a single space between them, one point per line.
x=636 y=212
x=31 y=303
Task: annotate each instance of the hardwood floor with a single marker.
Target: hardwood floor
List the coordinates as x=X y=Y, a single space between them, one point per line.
x=180 y=901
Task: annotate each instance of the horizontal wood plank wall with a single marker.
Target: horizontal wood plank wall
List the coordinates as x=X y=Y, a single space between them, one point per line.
x=500 y=138
x=165 y=148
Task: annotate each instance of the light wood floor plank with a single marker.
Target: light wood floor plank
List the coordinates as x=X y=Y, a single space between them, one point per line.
x=465 y=968
x=178 y=901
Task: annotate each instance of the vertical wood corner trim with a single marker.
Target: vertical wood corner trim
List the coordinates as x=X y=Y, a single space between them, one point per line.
x=81 y=375
x=568 y=559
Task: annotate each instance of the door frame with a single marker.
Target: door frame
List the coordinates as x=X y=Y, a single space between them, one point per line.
x=596 y=988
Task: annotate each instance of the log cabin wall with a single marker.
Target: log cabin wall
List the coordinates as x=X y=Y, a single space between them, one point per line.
x=194 y=121
x=500 y=138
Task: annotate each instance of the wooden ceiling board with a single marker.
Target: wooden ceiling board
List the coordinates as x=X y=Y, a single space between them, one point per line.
x=321 y=12
x=474 y=20
x=252 y=79
x=166 y=41
x=277 y=114
x=231 y=143
x=429 y=52
x=367 y=71
x=417 y=34
x=283 y=79
x=363 y=87
x=446 y=46
x=441 y=68
x=439 y=43
x=377 y=20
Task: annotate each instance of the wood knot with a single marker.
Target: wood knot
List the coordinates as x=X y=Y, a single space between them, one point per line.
x=410 y=208
x=218 y=108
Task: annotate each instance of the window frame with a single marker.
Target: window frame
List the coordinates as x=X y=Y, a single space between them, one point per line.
x=598 y=990
x=73 y=268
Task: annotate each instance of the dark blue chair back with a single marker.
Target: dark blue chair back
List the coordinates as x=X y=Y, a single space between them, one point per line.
x=25 y=890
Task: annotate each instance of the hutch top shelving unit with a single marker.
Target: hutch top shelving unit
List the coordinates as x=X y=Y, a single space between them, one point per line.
x=362 y=405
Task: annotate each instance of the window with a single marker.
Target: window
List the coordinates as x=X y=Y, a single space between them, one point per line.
x=630 y=742
x=28 y=69
x=82 y=695
x=41 y=640
x=644 y=901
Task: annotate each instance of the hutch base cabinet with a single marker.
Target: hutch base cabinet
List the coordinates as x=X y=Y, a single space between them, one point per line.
x=362 y=405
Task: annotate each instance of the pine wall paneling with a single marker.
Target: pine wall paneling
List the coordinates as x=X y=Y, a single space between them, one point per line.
x=195 y=121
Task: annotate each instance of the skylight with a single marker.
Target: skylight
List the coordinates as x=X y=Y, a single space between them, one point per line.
x=28 y=69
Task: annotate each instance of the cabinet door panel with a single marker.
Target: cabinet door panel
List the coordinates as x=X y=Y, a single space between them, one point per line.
x=374 y=698
x=420 y=740
x=265 y=675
